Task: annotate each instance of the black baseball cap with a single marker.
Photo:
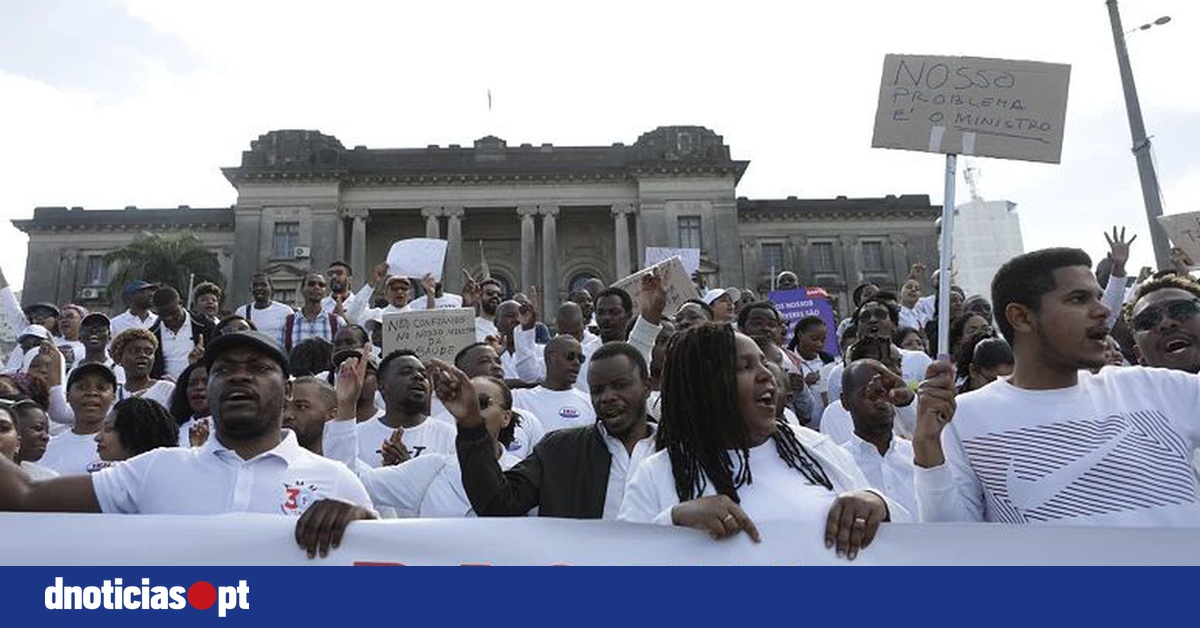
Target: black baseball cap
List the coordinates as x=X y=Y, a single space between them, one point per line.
x=95 y=318
x=253 y=339
x=91 y=367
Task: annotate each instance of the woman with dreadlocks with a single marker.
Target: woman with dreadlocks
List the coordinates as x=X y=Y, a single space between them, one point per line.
x=724 y=460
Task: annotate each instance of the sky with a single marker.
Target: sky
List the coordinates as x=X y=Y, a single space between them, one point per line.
x=109 y=103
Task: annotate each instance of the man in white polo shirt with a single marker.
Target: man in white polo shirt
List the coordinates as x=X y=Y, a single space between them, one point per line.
x=251 y=465
x=557 y=403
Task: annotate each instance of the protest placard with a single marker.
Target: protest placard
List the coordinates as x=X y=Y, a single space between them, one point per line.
x=972 y=106
x=437 y=334
x=676 y=281
x=794 y=305
x=417 y=257
x=689 y=257
x=1184 y=232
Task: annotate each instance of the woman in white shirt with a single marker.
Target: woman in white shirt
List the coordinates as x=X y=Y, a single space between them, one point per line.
x=189 y=406
x=134 y=350
x=725 y=461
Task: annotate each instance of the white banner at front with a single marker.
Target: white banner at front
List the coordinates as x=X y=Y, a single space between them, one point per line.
x=242 y=539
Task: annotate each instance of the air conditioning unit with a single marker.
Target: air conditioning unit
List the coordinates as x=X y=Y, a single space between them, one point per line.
x=302 y=252
x=91 y=293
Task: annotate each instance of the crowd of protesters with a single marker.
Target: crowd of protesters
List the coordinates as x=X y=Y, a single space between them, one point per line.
x=1069 y=396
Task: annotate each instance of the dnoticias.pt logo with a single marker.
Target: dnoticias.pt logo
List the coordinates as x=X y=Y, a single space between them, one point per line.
x=115 y=595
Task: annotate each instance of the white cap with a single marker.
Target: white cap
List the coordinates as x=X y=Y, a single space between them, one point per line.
x=715 y=293
x=35 y=330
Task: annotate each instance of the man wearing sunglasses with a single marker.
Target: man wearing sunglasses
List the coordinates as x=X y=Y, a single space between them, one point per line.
x=311 y=321
x=1165 y=327
x=1055 y=443
x=556 y=402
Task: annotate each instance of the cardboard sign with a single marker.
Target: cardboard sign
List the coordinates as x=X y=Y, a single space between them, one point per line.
x=794 y=305
x=689 y=257
x=1184 y=232
x=676 y=281
x=417 y=257
x=437 y=334
x=973 y=106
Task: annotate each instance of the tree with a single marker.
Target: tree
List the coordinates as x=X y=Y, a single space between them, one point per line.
x=163 y=260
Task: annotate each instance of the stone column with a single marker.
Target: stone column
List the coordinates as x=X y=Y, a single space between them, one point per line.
x=850 y=267
x=621 y=232
x=528 y=246
x=358 y=240
x=549 y=258
x=899 y=259
x=451 y=272
x=639 y=239
x=432 y=228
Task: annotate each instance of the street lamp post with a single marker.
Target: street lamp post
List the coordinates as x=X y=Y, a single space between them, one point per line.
x=1141 y=143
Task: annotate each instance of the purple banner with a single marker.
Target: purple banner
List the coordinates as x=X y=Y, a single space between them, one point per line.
x=794 y=305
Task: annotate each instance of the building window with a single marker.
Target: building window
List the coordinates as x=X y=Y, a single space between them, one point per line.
x=821 y=254
x=872 y=257
x=772 y=257
x=97 y=271
x=287 y=238
x=689 y=232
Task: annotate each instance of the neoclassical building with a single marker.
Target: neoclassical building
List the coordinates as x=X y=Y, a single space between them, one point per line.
x=549 y=216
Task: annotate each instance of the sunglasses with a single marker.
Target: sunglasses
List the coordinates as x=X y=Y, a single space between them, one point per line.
x=1179 y=310
x=485 y=402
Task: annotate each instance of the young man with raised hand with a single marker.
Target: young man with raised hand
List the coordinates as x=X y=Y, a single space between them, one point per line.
x=1054 y=442
x=404 y=380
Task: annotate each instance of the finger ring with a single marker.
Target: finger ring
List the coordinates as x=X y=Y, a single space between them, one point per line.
x=727 y=517
x=862 y=520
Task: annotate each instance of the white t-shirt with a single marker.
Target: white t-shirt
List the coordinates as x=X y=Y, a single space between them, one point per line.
x=37 y=472
x=446 y=301
x=777 y=492
x=177 y=346
x=428 y=437
x=556 y=409
x=485 y=328
x=160 y=391
x=212 y=480
x=268 y=320
x=70 y=454
x=1115 y=449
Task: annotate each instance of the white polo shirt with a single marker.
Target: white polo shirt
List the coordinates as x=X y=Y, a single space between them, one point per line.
x=891 y=473
x=129 y=320
x=556 y=409
x=212 y=480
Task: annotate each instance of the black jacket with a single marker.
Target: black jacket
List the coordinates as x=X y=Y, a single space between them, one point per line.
x=566 y=475
x=200 y=327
